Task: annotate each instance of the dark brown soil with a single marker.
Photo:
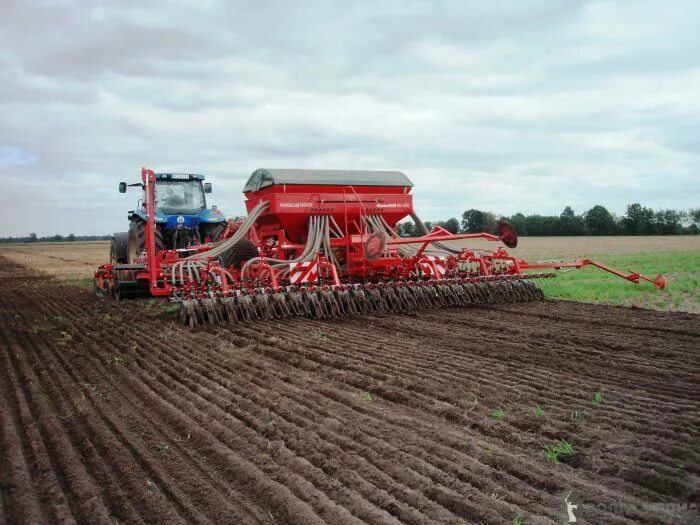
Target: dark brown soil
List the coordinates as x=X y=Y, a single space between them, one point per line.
x=113 y=413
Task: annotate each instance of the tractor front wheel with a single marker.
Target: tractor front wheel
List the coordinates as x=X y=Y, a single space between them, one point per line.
x=212 y=230
x=137 y=238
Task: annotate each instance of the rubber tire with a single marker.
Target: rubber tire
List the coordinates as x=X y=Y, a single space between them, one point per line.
x=119 y=248
x=213 y=230
x=240 y=252
x=137 y=238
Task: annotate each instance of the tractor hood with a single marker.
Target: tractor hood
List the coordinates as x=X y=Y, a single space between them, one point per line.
x=187 y=220
x=213 y=215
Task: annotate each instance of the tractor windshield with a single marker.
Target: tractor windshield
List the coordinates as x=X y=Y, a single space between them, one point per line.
x=180 y=197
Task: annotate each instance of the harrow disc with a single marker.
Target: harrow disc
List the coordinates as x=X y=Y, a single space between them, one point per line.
x=660 y=281
x=102 y=287
x=266 y=304
x=507 y=234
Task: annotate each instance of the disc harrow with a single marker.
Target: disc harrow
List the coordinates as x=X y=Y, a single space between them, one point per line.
x=382 y=298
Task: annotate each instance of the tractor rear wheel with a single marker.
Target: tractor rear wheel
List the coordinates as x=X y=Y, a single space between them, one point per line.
x=240 y=252
x=137 y=238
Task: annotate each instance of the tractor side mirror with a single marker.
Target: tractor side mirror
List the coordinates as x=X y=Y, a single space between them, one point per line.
x=122 y=187
x=207 y=187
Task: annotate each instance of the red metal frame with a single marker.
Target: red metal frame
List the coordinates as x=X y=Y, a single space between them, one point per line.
x=659 y=281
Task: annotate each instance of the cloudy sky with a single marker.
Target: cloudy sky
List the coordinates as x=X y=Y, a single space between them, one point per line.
x=505 y=106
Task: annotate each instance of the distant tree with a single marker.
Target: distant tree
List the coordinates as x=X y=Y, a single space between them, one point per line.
x=517 y=221
x=619 y=227
x=32 y=237
x=638 y=220
x=406 y=229
x=569 y=223
x=490 y=223
x=692 y=221
x=534 y=225
x=57 y=238
x=473 y=221
x=599 y=221
x=668 y=222
x=70 y=238
x=550 y=225
x=451 y=225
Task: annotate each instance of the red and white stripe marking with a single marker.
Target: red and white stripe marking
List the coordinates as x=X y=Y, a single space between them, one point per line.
x=303 y=272
x=432 y=266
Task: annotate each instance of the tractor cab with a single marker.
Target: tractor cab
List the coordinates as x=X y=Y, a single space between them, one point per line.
x=182 y=217
x=176 y=195
x=181 y=201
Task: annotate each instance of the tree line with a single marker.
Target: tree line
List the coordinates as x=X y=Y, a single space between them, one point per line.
x=33 y=237
x=637 y=220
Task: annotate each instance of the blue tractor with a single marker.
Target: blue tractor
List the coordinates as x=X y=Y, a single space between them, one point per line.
x=182 y=217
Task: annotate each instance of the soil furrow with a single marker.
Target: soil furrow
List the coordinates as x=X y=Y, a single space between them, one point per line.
x=113 y=411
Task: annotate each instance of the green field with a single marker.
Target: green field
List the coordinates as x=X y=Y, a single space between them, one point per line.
x=593 y=285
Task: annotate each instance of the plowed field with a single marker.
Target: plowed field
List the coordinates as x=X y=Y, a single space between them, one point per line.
x=113 y=413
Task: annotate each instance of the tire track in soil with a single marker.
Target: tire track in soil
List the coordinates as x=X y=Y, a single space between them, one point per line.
x=112 y=450
x=154 y=516
x=315 y=408
x=443 y=498
x=194 y=389
x=525 y=475
x=19 y=500
x=628 y=414
x=297 y=426
x=158 y=372
x=46 y=449
x=380 y=392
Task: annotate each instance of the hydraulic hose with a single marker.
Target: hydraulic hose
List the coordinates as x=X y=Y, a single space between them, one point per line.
x=193 y=263
x=317 y=225
x=233 y=240
x=425 y=231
